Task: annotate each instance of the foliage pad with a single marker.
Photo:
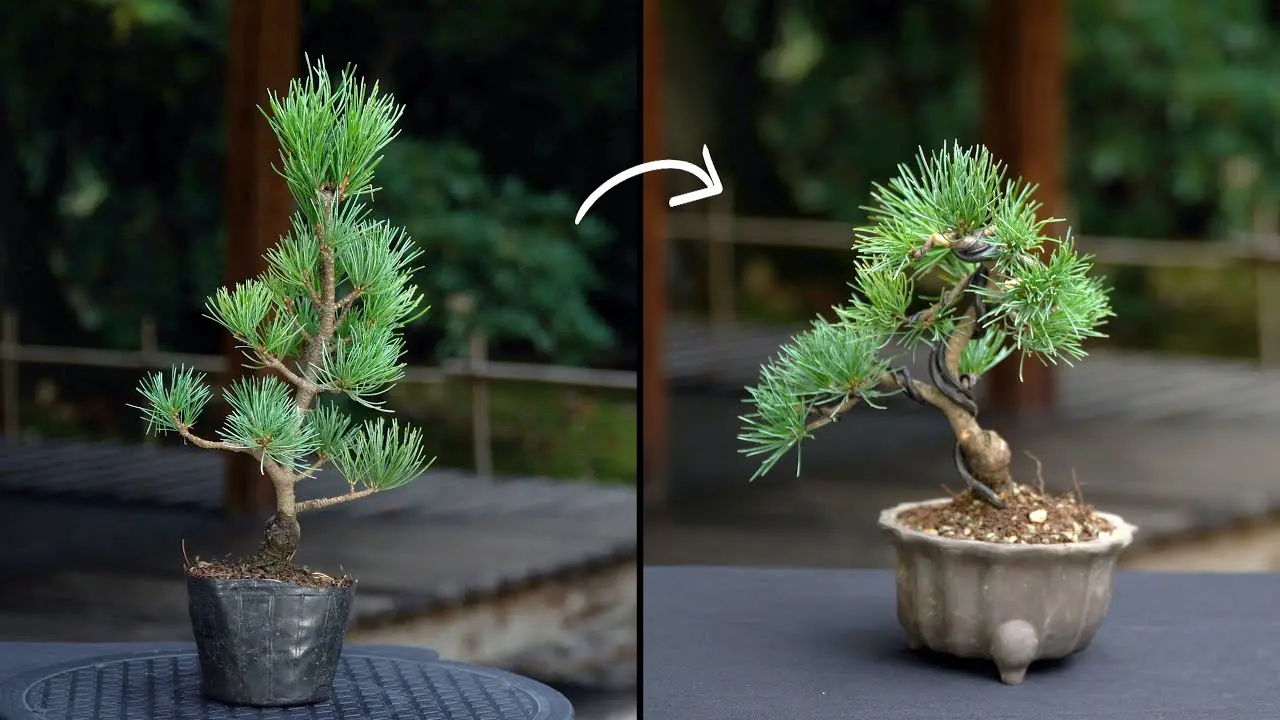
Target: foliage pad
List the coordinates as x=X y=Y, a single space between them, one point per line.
x=956 y=216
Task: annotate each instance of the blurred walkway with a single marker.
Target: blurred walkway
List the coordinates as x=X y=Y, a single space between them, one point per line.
x=1122 y=386
x=1171 y=477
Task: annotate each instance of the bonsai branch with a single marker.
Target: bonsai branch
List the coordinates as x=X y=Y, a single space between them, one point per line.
x=312 y=292
x=314 y=468
x=293 y=311
x=318 y=503
x=948 y=300
x=960 y=245
x=271 y=361
x=351 y=297
x=185 y=432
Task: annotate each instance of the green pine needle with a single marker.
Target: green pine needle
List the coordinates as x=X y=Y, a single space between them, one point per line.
x=827 y=363
x=365 y=363
x=175 y=405
x=243 y=309
x=263 y=417
x=332 y=428
x=381 y=456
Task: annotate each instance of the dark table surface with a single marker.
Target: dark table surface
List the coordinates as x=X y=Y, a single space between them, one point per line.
x=753 y=644
x=20 y=657
x=26 y=663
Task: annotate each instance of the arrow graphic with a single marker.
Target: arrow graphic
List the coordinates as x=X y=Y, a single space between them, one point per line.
x=708 y=178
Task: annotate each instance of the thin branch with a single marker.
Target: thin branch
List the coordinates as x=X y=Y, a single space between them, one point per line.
x=274 y=363
x=335 y=500
x=185 y=431
x=311 y=291
x=826 y=417
x=293 y=315
x=934 y=240
x=315 y=467
x=342 y=316
x=351 y=297
x=948 y=300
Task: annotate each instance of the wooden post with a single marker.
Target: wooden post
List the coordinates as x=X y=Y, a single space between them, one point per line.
x=721 y=280
x=654 y=284
x=9 y=373
x=149 y=345
x=263 y=52
x=481 y=408
x=1024 y=125
x=1266 y=273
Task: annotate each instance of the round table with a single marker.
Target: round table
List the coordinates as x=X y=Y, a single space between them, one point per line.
x=60 y=681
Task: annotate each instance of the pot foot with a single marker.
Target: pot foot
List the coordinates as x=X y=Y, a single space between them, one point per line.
x=913 y=643
x=1014 y=647
x=1012 y=675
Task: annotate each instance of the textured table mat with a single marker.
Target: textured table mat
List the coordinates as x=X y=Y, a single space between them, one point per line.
x=60 y=682
x=750 y=644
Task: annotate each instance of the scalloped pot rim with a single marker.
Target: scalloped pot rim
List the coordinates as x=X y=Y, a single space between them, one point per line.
x=1121 y=537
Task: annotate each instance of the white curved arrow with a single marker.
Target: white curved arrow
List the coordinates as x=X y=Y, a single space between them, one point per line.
x=708 y=178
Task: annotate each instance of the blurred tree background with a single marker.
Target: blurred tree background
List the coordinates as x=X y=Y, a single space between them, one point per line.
x=1174 y=133
x=114 y=157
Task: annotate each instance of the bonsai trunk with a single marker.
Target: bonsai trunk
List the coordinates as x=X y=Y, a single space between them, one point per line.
x=282 y=532
x=985 y=452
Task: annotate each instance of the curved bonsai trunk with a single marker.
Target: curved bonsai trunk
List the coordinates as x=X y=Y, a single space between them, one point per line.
x=282 y=532
x=988 y=457
x=280 y=540
x=981 y=455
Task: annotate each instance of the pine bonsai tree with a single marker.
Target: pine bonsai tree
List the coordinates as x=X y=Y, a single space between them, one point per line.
x=324 y=318
x=957 y=216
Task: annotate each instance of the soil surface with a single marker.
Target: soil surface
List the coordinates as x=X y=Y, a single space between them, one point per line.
x=1029 y=517
x=240 y=570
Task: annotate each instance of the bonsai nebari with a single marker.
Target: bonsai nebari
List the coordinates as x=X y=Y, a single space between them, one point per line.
x=1006 y=286
x=325 y=318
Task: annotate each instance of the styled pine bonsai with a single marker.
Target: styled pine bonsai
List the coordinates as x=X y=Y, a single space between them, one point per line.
x=1007 y=286
x=325 y=318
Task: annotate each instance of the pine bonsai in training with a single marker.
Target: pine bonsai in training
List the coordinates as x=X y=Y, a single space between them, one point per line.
x=326 y=317
x=1007 y=286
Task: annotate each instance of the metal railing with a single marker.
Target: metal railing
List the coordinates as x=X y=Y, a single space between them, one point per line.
x=721 y=231
x=478 y=370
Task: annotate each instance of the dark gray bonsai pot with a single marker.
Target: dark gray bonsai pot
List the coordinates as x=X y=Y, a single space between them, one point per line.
x=1013 y=604
x=265 y=643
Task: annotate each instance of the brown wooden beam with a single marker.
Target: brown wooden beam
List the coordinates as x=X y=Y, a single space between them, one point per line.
x=1024 y=124
x=654 y=283
x=263 y=53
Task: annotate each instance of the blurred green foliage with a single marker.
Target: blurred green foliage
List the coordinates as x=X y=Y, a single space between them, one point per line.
x=114 y=157
x=1174 y=126
x=497 y=258
x=1173 y=105
x=536 y=430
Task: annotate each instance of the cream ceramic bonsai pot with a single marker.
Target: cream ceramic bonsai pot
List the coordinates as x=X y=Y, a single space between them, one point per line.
x=1013 y=604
